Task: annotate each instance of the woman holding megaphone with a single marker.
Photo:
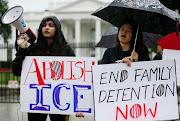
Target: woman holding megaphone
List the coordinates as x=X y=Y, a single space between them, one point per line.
x=50 y=42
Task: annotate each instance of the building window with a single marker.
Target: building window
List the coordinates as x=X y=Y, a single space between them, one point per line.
x=92 y=34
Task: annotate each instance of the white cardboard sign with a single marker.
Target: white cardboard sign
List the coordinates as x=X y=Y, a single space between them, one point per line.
x=173 y=54
x=146 y=91
x=57 y=85
x=13 y=84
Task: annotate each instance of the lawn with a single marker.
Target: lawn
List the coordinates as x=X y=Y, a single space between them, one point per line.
x=6 y=76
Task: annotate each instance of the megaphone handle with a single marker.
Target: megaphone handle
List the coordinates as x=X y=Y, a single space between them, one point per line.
x=20 y=41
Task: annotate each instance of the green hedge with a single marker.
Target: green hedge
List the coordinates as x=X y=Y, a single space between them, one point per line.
x=6 y=76
x=5 y=64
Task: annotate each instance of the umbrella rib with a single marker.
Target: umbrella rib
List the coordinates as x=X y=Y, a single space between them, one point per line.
x=136 y=37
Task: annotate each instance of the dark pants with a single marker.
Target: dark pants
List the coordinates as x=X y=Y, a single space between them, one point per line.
x=42 y=117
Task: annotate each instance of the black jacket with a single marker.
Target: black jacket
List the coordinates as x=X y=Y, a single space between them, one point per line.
x=31 y=51
x=111 y=55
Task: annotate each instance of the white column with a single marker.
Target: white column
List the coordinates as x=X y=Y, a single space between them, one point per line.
x=98 y=37
x=65 y=32
x=77 y=35
x=3 y=55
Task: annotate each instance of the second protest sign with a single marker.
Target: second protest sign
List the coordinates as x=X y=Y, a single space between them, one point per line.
x=144 y=91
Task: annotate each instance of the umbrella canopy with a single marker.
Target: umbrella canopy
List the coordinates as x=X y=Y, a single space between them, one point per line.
x=170 y=41
x=109 y=37
x=152 y=15
x=150 y=39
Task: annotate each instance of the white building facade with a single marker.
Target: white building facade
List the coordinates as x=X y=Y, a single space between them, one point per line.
x=78 y=25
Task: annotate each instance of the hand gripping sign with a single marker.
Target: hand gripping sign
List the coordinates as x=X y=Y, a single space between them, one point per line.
x=58 y=85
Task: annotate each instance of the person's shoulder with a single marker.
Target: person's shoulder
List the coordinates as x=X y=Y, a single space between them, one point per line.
x=67 y=47
x=107 y=57
x=110 y=50
x=69 y=50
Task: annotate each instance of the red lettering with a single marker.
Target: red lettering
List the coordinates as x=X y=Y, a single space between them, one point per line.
x=56 y=70
x=71 y=68
x=119 y=110
x=93 y=63
x=71 y=71
x=37 y=71
x=149 y=110
x=53 y=74
x=82 y=70
x=135 y=111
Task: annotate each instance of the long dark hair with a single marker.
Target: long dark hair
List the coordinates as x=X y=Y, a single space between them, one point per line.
x=56 y=48
x=140 y=47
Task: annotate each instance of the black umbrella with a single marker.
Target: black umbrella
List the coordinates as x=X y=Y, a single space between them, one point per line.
x=150 y=39
x=109 y=37
x=152 y=16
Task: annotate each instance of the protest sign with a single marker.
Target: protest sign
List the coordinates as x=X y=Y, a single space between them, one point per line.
x=146 y=91
x=57 y=85
x=173 y=54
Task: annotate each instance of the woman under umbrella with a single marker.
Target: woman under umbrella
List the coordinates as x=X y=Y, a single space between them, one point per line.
x=126 y=49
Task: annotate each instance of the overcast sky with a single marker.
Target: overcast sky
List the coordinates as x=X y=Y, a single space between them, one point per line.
x=36 y=5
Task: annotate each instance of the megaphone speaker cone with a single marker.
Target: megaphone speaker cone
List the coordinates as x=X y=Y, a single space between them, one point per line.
x=12 y=15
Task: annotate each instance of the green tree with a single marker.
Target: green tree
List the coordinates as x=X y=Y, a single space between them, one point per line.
x=5 y=29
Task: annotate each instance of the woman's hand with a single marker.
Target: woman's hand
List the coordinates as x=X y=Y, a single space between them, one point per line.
x=24 y=43
x=132 y=58
x=127 y=60
x=79 y=115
